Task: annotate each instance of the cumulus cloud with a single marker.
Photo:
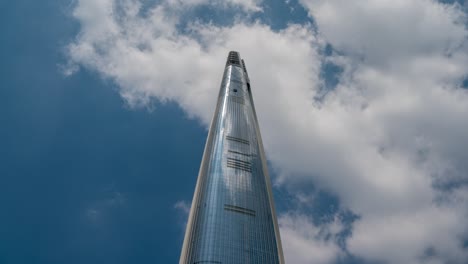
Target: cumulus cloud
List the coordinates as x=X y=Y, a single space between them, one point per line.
x=397 y=115
x=245 y=5
x=183 y=206
x=383 y=31
x=306 y=243
x=150 y=59
x=389 y=140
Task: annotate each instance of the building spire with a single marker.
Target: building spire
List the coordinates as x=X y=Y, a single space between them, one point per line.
x=232 y=219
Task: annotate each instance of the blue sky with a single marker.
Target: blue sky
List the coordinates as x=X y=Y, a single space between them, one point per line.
x=105 y=105
x=84 y=179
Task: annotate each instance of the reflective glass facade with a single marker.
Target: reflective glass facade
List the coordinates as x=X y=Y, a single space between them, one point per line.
x=232 y=218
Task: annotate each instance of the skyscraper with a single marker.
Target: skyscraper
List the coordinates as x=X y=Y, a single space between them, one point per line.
x=232 y=219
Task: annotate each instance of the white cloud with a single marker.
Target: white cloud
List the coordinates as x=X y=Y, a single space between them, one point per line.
x=148 y=58
x=183 y=206
x=403 y=237
x=245 y=5
x=384 y=31
x=393 y=128
x=304 y=242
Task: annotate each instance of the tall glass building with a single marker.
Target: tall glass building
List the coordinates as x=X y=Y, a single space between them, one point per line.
x=232 y=219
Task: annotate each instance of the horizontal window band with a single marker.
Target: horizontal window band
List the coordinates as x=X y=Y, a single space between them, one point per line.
x=239 y=165
x=240 y=140
x=239 y=168
x=207 y=261
x=239 y=153
x=237 y=99
x=234 y=61
x=239 y=161
x=236 y=81
x=239 y=209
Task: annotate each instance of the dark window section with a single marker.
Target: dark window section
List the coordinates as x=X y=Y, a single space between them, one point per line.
x=208 y=261
x=234 y=90
x=239 y=209
x=239 y=164
x=247 y=163
x=239 y=167
x=240 y=153
x=243 y=66
x=246 y=75
x=233 y=58
x=240 y=140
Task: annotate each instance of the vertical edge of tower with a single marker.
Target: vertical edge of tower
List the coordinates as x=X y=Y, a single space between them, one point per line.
x=265 y=169
x=187 y=244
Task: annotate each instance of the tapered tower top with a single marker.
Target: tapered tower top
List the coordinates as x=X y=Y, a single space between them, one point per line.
x=233 y=59
x=232 y=219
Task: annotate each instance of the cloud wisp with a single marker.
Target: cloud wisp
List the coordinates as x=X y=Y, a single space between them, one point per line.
x=389 y=140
